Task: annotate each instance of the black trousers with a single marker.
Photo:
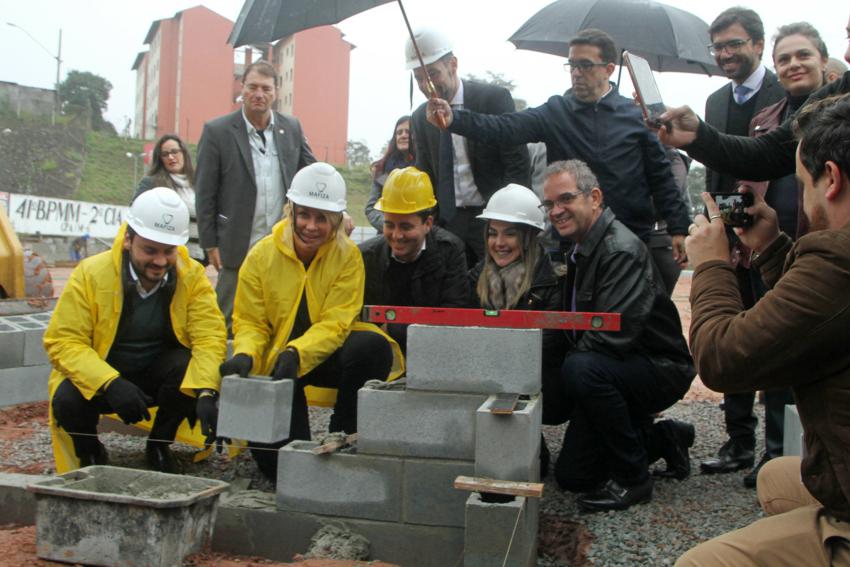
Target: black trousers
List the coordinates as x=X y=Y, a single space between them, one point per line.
x=470 y=229
x=738 y=408
x=660 y=246
x=362 y=357
x=160 y=381
x=612 y=402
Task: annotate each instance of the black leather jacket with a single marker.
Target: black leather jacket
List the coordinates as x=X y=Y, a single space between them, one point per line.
x=616 y=275
x=439 y=279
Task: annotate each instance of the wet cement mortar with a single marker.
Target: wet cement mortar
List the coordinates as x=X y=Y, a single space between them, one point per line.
x=680 y=515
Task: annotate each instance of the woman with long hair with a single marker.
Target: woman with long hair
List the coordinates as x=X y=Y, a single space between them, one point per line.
x=171 y=166
x=516 y=273
x=399 y=154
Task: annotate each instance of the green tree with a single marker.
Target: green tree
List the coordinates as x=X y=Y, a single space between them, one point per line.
x=357 y=153
x=498 y=80
x=86 y=93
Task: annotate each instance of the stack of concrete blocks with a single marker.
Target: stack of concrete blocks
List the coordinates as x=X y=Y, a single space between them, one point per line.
x=24 y=368
x=396 y=486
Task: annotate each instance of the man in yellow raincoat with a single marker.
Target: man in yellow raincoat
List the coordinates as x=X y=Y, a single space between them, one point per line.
x=298 y=301
x=136 y=327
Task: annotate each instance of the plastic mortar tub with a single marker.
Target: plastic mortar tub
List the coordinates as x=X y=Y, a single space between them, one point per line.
x=102 y=515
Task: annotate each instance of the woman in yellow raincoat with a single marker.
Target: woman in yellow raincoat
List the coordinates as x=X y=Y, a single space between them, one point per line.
x=296 y=311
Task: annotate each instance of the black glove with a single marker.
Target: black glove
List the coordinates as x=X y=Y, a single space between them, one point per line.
x=206 y=410
x=128 y=401
x=286 y=365
x=240 y=364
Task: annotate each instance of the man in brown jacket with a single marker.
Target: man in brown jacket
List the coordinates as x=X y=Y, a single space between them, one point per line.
x=797 y=335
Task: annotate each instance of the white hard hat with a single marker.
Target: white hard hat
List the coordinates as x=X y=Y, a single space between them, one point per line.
x=160 y=215
x=515 y=203
x=432 y=45
x=319 y=186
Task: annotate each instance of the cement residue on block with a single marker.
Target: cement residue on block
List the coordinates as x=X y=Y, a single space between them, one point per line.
x=335 y=541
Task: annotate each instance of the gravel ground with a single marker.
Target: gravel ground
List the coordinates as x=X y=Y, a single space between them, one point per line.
x=681 y=514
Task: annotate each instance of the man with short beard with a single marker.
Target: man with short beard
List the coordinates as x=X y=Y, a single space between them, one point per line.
x=136 y=326
x=797 y=336
x=737 y=42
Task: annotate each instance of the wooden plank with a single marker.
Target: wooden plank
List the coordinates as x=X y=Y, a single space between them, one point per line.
x=511 y=319
x=474 y=484
x=504 y=404
x=334 y=446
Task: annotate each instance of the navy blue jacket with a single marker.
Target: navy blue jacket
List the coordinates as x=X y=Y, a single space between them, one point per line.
x=611 y=137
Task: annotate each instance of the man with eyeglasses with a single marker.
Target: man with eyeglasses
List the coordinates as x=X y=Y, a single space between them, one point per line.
x=737 y=43
x=594 y=123
x=613 y=383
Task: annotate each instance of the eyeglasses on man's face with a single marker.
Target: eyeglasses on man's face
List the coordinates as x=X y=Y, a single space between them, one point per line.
x=731 y=46
x=562 y=200
x=582 y=65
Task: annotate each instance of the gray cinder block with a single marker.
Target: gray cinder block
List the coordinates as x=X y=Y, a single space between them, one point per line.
x=255 y=409
x=496 y=530
x=792 y=441
x=12 y=339
x=417 y=424
x=23 y=384
x=507 y=447
x=17 y=505
x=248 y=526
x=339 y=484
x=34 y=353
x=474 y=359
x=430 y=497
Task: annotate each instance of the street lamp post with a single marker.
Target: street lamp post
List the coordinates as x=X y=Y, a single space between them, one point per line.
x=135 y=157
x=57 y=57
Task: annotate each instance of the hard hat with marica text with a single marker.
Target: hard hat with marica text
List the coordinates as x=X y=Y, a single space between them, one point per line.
x=159 y=214
x=318 y=186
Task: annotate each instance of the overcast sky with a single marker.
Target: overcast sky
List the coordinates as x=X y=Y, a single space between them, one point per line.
x=104 y=36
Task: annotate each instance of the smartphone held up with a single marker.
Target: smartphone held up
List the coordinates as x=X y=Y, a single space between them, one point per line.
x=733 y=208
x=649 y=97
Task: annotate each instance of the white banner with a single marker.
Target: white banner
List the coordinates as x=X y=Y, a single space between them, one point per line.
x=31 y=214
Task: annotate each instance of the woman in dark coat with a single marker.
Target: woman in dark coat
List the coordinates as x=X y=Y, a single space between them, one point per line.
x=171 y=166
x=399 y=154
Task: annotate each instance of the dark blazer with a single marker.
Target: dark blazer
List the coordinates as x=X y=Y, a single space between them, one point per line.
x=717 y=112
x=225 y=186
x=493 y=166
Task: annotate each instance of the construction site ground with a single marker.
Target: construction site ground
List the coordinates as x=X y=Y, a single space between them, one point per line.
x=566 y=538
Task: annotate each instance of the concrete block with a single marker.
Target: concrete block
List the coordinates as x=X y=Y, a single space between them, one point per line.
x=43 y=317
x=23 y=384
x=417 y=424
x=34 y=353
x=11 y=344
x=339 y=484
x=17 y=505
x=474 y=359
x=496 y=530
x=255 y=408
x=429 y=494
x=507 y=447
x=793 y=442
x=247 y=523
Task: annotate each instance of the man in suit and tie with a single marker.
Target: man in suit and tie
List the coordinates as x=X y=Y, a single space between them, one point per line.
x=737 y=43
x=464 y=172
x=246 y=161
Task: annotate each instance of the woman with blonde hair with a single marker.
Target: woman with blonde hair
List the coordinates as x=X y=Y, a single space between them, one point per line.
x=296 y=311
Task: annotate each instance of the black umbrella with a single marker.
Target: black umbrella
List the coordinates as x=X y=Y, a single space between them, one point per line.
x=669 y=38
x=262 y=21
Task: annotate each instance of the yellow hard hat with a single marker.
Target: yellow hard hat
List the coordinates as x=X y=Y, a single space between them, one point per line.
x=406 y=191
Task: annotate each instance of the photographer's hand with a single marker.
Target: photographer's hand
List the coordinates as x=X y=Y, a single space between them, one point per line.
x=707 y=236
x=765 y=227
